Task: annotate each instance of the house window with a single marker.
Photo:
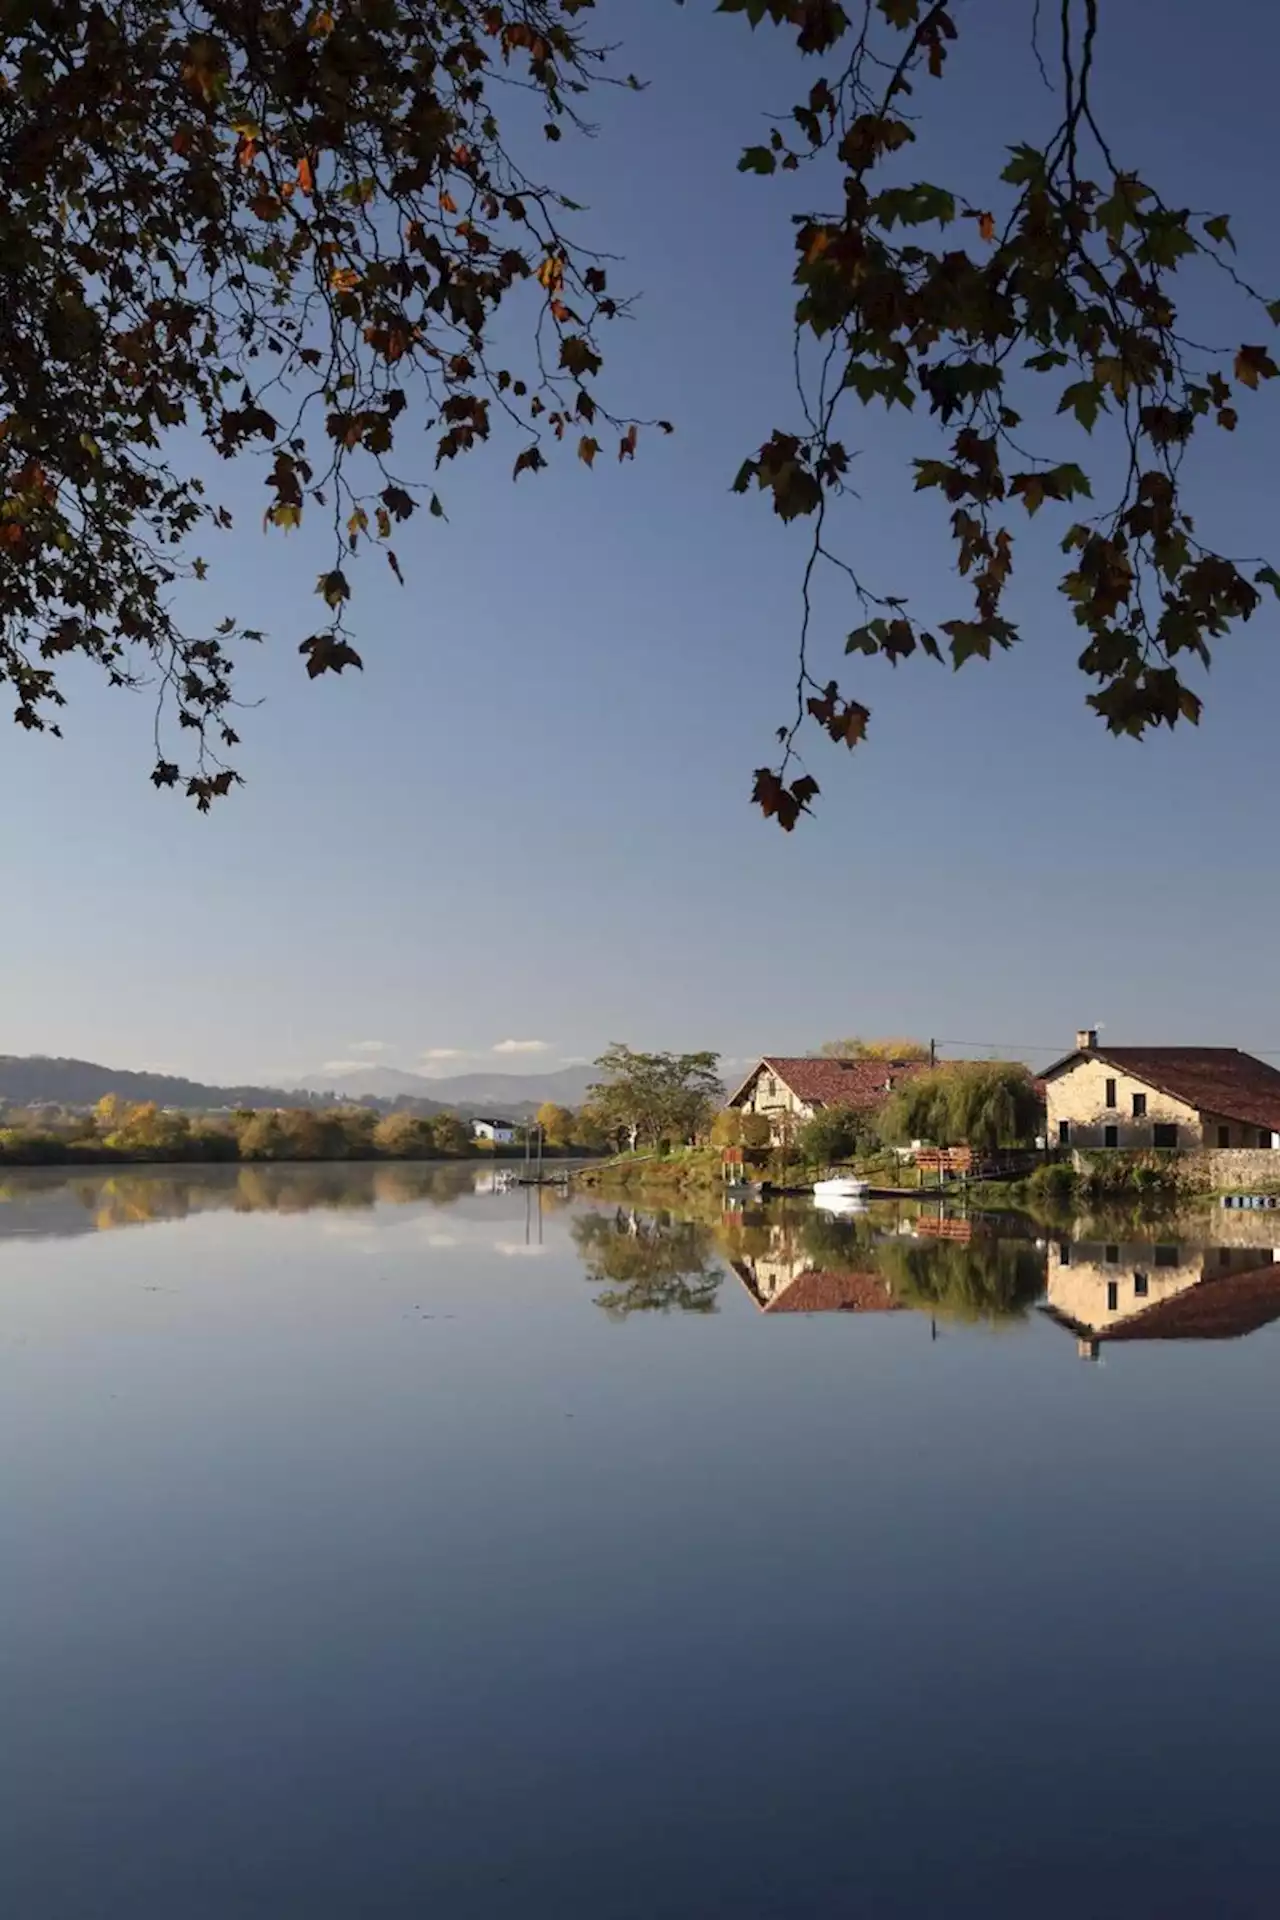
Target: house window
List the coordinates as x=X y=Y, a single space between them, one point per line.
x=1064 y=1133
x=1164 y=1134
x=1140 y=1285
x=1113 y=1256
x=1166 y=1256
x=1111 y=1136
x=1139 y=1106
x=1111 y=1093
x=1224 y=1136
x=1064 y=1253
x=1264 y=1137
x=1113 y=1295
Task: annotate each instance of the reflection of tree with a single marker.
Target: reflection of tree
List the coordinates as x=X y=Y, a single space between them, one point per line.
x=653 y=1262
x=983 y=1279
x=137 y=1195
x=838 y=1245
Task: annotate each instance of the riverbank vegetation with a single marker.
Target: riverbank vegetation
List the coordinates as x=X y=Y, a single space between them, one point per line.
x=120 y=1131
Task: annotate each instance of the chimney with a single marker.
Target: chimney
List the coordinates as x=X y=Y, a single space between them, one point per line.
x=1086 y=1039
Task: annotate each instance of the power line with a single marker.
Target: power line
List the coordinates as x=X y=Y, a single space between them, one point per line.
x=1029 y=1046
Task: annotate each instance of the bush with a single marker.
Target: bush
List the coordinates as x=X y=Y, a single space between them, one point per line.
x=833 y=1134
x=1056 y=1182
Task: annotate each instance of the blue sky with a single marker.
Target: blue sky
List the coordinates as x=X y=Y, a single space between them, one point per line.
x=529 y=819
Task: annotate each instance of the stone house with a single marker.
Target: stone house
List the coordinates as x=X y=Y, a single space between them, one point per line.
x=1141 y=1097
x=789 y=1090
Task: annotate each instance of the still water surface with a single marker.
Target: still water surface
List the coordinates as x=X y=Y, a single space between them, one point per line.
x=373 y=1546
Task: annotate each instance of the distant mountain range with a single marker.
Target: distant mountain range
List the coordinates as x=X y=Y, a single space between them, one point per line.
x=32 y=1079
x=508 y=1092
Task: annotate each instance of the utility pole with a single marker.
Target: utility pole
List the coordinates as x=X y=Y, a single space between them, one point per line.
x=933 y=1054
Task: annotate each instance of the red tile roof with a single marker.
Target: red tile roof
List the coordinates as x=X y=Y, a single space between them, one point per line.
x=836 y=1083
x=1216 y=1080
x=1224 y=1309
x=822 y=1291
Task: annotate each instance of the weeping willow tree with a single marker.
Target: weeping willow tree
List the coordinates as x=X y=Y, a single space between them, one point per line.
x=984 y=1104
x=992 y=1280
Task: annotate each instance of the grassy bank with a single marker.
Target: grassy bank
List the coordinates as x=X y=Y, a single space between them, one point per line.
x=690 y=1169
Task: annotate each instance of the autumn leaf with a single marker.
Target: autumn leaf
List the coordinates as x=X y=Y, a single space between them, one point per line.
x=344 y=279
x=528 y=462
x=1254 y=364
x=333 y=588
x=306 y=175
x=588 y=449
x=627 y=450
x=447 y=202
x=987 y=226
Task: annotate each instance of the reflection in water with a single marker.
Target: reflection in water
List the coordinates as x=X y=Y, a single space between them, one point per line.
x=812 y=1262
x=652 y=1262
x=55 y=1202
x=1103 y=1284
x=1125 y=1289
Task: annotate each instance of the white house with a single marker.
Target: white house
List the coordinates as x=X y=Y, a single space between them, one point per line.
x=498 y=1133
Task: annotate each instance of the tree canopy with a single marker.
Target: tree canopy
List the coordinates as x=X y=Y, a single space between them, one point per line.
x=894 y=1048
x=285 y=233
x=981 y=1103
x=651 y=1098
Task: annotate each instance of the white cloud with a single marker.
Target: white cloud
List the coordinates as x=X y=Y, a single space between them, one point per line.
x=445 y=1053
x=367 y=1046
x=523 y=1046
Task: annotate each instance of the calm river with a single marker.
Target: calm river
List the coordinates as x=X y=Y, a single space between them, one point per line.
x=375 y=1547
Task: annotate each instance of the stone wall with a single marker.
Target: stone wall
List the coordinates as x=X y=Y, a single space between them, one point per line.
x=1208 y=1169
x=1235 y=1169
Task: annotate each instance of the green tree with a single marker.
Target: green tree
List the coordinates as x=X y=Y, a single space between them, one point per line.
x=891 y=1049
x=262 y=1137
x=404 y=1136
x=588 y=1133
x=984 y=1104
x=652 y=1098
x=452 y=1135
x=834 y=1133
x=353 y=1129
x=556 y=1123
x=726 y=1128
x=146 y=1130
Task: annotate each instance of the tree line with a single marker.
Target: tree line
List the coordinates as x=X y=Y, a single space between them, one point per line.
x=118 y=1129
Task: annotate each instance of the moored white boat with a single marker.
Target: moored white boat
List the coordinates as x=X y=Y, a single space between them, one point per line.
x=845 y=1187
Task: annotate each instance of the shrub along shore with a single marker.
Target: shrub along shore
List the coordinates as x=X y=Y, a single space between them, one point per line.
x=118 y=1133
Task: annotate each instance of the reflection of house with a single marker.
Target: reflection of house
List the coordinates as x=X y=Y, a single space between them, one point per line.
x=1141 y=1291
x=499 y=1133
x=816 y=1290
x=787 y=1090
x=1162 y=1097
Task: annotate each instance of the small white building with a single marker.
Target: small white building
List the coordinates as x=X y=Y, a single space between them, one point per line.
x=497 y=1133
